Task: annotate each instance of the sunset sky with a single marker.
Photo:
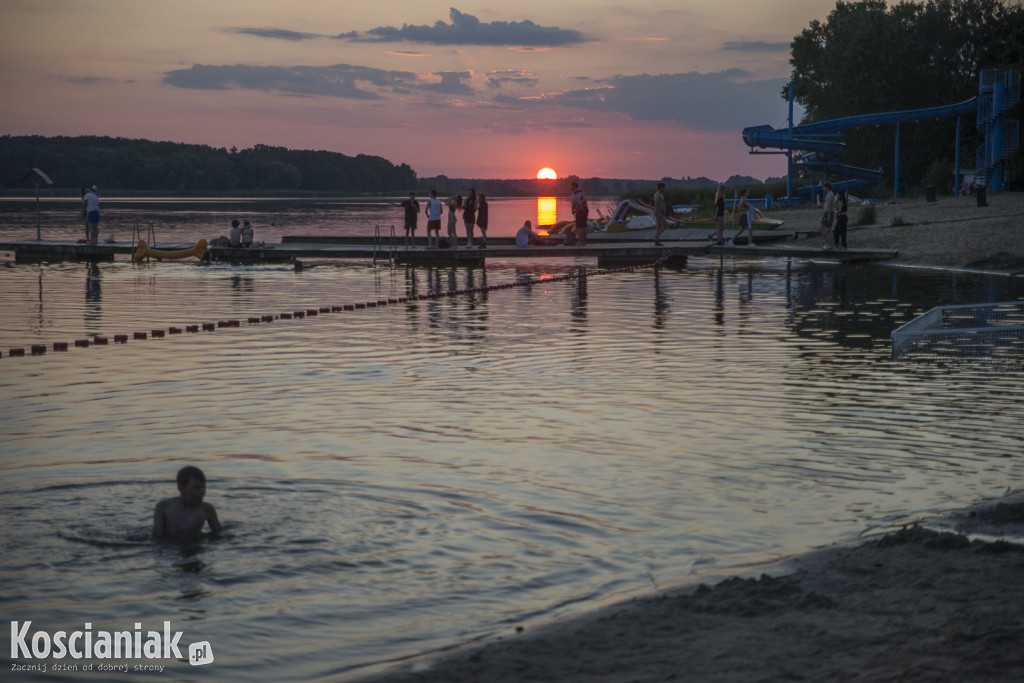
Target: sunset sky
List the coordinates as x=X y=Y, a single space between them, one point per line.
x=481 y=89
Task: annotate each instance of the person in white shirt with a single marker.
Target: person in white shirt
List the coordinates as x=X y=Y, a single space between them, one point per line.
x=526 y=236
x=828 y=216
x=91 y=212
x=433 y=211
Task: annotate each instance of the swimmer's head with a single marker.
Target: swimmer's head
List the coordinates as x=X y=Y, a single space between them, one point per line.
x=191 y=484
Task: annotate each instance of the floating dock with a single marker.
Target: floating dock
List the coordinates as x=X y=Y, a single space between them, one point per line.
x=606 y=251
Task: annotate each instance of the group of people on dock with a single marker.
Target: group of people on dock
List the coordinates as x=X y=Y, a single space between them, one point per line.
x=475 y=214
x=239 y=237
x=474 y=210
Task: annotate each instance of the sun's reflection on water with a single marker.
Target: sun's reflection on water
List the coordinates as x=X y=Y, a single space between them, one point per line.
x=547 y=213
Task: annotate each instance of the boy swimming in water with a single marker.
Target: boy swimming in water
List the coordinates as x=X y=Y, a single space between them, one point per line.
x=186 y=515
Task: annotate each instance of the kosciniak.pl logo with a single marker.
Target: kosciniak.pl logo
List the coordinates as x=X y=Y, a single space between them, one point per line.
x=101 y=644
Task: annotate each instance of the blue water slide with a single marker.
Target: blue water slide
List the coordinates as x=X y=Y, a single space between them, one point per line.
x=836 y=125
x=824 y=155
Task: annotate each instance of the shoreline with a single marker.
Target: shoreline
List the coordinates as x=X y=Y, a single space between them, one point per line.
x=952 y=233
x=937 y=602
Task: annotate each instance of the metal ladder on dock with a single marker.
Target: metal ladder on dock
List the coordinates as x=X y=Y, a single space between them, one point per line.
x=379 y=246
x=137 y=235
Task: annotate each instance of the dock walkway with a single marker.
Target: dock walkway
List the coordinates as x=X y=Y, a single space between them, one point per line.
x=606 y=251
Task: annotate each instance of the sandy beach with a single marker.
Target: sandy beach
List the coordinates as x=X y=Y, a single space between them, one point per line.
x=941 y=602
x=953 y=232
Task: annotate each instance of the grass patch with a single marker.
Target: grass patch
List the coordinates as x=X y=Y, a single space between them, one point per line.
x=898 y=222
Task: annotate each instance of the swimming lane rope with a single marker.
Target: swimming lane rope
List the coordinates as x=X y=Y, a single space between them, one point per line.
x=99 y=340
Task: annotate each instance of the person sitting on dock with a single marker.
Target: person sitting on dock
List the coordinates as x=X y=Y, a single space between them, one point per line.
x=246 y=235
x=526 y=237
x=235 y=236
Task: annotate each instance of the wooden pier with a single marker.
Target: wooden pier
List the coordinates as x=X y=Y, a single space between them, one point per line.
x=607 y=251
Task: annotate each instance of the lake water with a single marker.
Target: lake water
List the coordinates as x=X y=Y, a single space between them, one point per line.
x=188 y=220
x=404 y=478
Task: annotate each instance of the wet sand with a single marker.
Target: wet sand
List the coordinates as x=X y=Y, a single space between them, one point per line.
x=913 y=605
x=944 y=603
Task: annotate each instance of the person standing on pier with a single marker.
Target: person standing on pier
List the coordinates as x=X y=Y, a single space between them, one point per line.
x=828 y=216
x=746 y=212
x=469 y=216
x=433 y=211
x=719 y=215
x=841 y=221
x=412 y=214
x=660 y=215
x=454 y=204
x=581 y=211
x=482 y=219
x=91 y=212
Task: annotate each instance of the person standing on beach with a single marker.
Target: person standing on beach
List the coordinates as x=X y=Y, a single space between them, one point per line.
x=660 y=216
x=828 y=216
x=482 y=219
x=454 y=204
x=841 y=221
x=469 y=216
x=746 y=212
x=412 y=214
x=91 y=213
x=719 y=215
x=433 y=211
x=581 y=211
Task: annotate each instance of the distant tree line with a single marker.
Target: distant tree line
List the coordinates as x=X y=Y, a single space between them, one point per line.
x=171 y=167
x=871 y=56
x=592 y=187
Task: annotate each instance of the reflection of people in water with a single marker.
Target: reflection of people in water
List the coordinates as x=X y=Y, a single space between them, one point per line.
x=92 y=283
x=186 y=515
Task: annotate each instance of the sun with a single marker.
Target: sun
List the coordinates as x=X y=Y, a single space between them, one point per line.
x=547 y=174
